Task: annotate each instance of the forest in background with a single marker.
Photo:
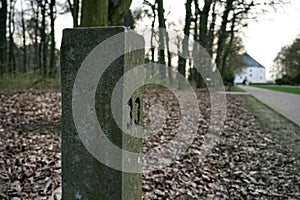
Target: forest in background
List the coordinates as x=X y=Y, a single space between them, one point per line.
x=28 y=44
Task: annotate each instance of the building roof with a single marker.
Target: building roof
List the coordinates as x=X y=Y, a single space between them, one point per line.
x=251 y=62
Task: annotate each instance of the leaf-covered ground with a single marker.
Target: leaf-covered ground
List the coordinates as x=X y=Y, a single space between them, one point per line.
x=248 y=162
x=30 y=145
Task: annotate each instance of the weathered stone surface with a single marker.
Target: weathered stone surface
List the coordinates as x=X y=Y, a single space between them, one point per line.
x=84 y=177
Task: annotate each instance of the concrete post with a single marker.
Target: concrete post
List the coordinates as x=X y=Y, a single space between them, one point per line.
x=84 y=176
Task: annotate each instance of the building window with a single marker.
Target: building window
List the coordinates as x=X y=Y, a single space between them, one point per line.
x=260 y=78
x=250 y=75
x=250 y=70
x=241 y=77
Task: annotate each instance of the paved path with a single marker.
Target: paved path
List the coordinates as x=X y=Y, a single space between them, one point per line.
x=285 y=103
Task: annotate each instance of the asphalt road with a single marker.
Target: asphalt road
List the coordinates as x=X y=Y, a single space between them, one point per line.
x=285 y=103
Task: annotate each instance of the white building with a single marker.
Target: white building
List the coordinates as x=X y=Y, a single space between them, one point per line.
x=254 y=72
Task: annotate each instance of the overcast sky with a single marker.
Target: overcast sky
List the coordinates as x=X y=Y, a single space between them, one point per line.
x=263 y=39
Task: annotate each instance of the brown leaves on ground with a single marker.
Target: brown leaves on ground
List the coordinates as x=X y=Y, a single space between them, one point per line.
x=246 y=163
x=30 y=145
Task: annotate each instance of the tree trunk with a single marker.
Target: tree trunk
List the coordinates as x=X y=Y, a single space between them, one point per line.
x=3 y=41
x=24 y=69
x=152 y=32
x=223 y=34
x=117 y=10
x=11 y=30
x=44 y=45
x=228 y=46
x=193 y=71
x=52 y=66
x=74 y=11
x=195 y=76
x=203 y=23
x=187 y=27
x=237 y=15
x=104 y=12
x=196 y=17
x=153 y=9
x=169 y=63
x=211 y=32
x=162 y=34
x=37 y=64
x=94 y=13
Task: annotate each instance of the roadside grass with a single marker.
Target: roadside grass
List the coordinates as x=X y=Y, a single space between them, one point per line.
x=28 y=83
x=262 y=107
x=281 y=88
x=283 y=129
x=236 y=88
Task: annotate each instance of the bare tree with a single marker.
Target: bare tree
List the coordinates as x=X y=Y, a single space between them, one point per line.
x=238 y=12
x=162 y=26
x=211 y=31
x=194 y=75
x=43 y=43
x=203 y=28
x=52 y=64
x=187 y=27
x=169 y=55
x=223 y=33
x=23 y=25
x=11 y=30
x=35 y=19
x=74 y=7
x=3 y=41
x=153 y=10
